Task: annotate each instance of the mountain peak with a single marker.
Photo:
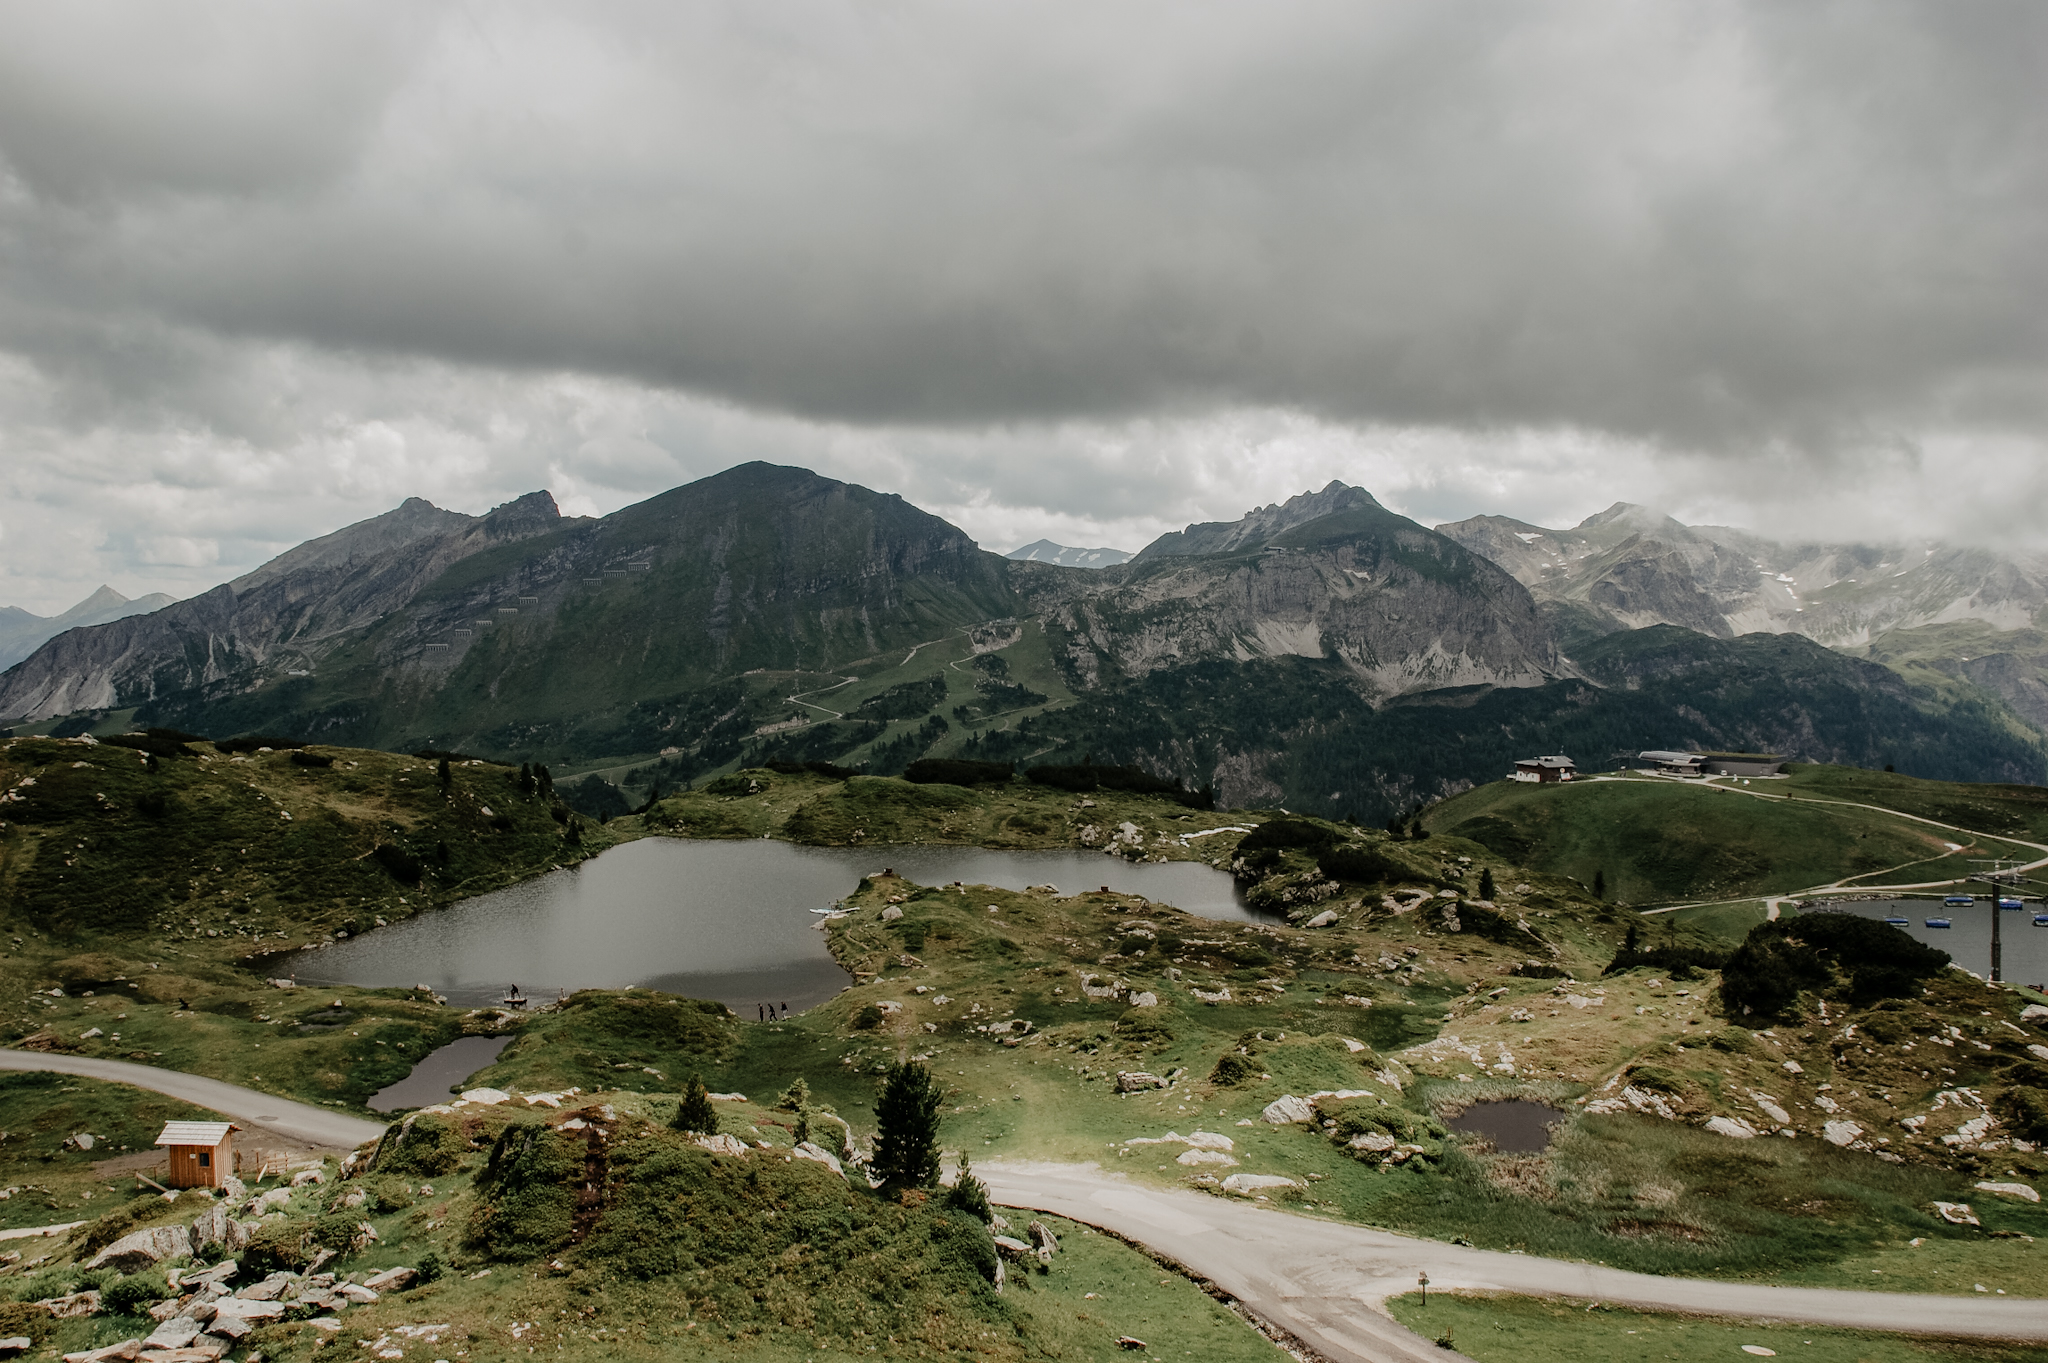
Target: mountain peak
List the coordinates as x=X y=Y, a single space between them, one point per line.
x=1260 y=525
x=1067 y=556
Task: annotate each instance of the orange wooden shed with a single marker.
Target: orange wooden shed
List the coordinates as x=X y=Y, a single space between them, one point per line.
x=202 y=1153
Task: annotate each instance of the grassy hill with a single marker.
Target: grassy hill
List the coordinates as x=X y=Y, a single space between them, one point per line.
x=1658 y=841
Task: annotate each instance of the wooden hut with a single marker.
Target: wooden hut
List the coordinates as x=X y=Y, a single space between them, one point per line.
x=202 y=1153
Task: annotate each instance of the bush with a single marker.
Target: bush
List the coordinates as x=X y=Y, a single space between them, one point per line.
x=155 y=742
x=1285 y=833
x=425 y=1146
x=1085 y=777
x=251 y=742
x=1859 y=958
x=26 y=1318
x=526 y=1202
x=134 y=1294
x=1234 y=1069
x=952 y=771
x=276 y=1248
x=302 y=758
x=1681 y=962
x=428 y=1268
x=404 y=867
x=868 y=1017
x=1358 y=865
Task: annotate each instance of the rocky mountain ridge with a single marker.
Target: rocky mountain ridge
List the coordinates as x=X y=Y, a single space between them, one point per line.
x=23 y=632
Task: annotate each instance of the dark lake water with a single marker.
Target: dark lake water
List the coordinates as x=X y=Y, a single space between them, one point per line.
x=439 y=1071
x=1968 y=942
x=718 y=920
x=1514 y=1125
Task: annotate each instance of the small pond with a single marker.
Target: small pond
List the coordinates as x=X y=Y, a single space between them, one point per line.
x=438 y=1072
x=1515 y=1126
x=730 y=921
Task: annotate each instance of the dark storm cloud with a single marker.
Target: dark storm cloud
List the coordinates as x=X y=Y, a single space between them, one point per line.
x=1707 y=226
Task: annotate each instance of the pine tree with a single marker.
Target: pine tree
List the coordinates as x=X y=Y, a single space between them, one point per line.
x=968 y=1193
x=695 y=1113
x=1600 y=883
x=796 y=1097
x=1486 y=884
x=526 y=783
x=907 y=1128
x=447 y=778
x=803 y=1125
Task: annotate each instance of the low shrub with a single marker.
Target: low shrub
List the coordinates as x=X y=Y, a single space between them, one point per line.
x=1082 y=778
x=252 y=742
x=525 y=1203
x=953 y=771
x=134 y=1294
x=424 y=1146
x=302 y=758
x=403 y=866
x=1286 y=833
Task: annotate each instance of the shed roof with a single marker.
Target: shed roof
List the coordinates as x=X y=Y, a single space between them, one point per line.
x=1661 y=755
x=1558 y=760
x=195 y=1133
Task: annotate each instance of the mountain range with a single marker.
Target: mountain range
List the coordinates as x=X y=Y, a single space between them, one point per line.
x=23 y=632
x=1322 y=651
x=1067 y=556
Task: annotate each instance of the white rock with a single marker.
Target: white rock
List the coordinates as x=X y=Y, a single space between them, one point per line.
x=1731 y=1126
x=390 y=1280
x=1773 y=1111
x=1322 y=920
x=1210 y=1140
x=2034 y=1011
x=1956 y=1213
x=1288 y=1108
x=307 y=1176
x=891 y=914
x=126 y=1349
x=143 y=1248
x=1220 y=996
x=1193 y=1157
x=1145 y=999
x=173 y=1334
x=722 y=1144
x=2037 y=1050
x=818 y=1154
x=1794 y=1067
x=1352 y=1046
x=486 y=1097
x=1251 y=1183
x=1841 y=1133
x=2019 y=1190
x=1374 y=1140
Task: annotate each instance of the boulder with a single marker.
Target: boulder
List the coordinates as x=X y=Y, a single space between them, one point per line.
x=15 y=1345
x=1012 y=1248
x=277 y=1199
x=1042 y=1236
x=73 y=1305
x=144 y=1248
x=722 y=1144
x=1956 y=1213
x=1144 y=998
x=310 y=1176
x=175 y=1333
x=820 y=1155
x=2038 y=1051
x=125 y=1350
x=1379 y=1142
x=229 y=1327
x=203 y=1349
x=2034 y=1012
x=1136 y=1081
x=1251 y=1183
x=891 y=914
x=1210 y=1140
x=1287 y=1109
x=2020 y=1190
x=358 y=1294
x=270 y=1289
x=1731 y=1126
x=1322 y=920
x=391 y=1280
x=486 y=1097
x=1841 y=1133
x=1192 y=1158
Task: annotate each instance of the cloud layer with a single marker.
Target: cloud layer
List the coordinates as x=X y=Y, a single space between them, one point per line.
x=1088 y=273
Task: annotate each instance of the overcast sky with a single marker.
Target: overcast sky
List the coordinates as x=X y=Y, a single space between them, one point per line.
x=1087 y=272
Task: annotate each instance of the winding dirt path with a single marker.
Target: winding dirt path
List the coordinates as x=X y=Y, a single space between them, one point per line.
x=1325 y=1281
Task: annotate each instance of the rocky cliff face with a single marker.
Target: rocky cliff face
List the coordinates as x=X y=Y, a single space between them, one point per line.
x=284 y=618
x=1628 y=568
x=1330 y=575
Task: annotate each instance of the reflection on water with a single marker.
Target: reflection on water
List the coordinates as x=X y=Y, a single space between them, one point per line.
x=1968 y=942
x=439 y=1071
x=1515 y=1126
x=721 y=920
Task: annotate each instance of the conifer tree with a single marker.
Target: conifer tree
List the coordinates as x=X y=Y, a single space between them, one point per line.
x=1486 y=887
x=1600 y=883
x=907 y=1128
x=447 y=778
x=968 y=1193
x=695 y=1113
